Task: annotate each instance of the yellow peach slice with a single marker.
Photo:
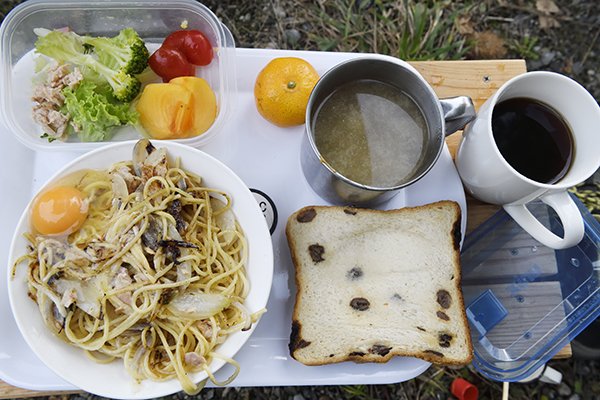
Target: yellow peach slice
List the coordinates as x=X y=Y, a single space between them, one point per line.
x=204 y=103
x=166 y=110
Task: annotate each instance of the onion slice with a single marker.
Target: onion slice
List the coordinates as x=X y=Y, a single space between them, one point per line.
x=198 y=305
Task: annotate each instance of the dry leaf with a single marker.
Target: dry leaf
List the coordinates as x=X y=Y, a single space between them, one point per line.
x=488 y=45
x=464 y=25
x=547 y=7
x=568 y=67
x=547 y=22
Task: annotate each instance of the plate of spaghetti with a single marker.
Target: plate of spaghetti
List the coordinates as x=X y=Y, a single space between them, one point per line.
x=140 y=269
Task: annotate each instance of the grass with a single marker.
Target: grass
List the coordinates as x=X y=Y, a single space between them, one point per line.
x=406 y=29
x=525 y=47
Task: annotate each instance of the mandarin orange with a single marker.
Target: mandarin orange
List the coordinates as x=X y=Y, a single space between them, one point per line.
x=282 y=90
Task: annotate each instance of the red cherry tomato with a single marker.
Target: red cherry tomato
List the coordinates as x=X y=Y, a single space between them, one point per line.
x=170 y=63
x=175 y=40
x=193 y=44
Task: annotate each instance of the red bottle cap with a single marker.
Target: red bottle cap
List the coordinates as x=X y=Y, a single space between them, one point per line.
x=464 y=390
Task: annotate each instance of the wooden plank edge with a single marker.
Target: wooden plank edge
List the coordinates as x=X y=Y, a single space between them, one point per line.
x=12 y=392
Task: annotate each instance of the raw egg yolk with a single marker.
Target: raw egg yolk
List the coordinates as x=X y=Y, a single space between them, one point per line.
x=59 y=210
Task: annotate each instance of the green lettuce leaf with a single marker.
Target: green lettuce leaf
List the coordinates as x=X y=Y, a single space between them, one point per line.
x=95 y=112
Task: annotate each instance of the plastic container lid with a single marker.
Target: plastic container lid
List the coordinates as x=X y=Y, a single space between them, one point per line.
x=525 y=301
x=153 y=20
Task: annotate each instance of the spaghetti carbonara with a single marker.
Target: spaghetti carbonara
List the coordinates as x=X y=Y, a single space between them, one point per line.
x=154 y=276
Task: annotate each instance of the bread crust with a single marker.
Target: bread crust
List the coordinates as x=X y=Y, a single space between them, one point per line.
x=296 y=339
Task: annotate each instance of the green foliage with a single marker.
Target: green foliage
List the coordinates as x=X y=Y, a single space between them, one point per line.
x=356 y=392
x=525 y=47
x=406 y=29
x=578 y=386
x=428 y=34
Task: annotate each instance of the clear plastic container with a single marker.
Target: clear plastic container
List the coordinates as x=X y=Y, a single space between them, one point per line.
x=525 y=301
x=153 y=20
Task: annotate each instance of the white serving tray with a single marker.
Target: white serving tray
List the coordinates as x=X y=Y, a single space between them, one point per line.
x=266 y=158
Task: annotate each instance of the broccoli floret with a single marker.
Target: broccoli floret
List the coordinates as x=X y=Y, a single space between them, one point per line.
x=124 y=86
x=68 y=47
x=126 y=51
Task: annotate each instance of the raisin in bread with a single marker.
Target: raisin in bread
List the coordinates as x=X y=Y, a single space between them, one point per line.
x=374 y=284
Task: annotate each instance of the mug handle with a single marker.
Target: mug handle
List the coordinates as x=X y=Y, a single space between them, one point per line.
x=458 y=112
x=568 y=213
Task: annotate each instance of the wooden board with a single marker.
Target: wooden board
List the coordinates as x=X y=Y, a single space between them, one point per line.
x=11 y=392
x=476 y=79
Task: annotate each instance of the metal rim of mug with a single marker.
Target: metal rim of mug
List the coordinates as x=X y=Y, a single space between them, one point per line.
x=417 y=75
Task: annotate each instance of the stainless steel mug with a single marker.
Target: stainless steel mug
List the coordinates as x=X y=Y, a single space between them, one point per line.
x=442 y=118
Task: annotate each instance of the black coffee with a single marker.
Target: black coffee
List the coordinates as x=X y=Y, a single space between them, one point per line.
x=533 y=138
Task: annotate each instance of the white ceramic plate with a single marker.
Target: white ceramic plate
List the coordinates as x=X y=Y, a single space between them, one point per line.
x=112 y=380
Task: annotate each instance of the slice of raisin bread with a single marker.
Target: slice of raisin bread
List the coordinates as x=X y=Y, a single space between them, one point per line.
x=374 y=284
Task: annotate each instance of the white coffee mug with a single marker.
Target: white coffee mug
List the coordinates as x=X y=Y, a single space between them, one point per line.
x=487 y=175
